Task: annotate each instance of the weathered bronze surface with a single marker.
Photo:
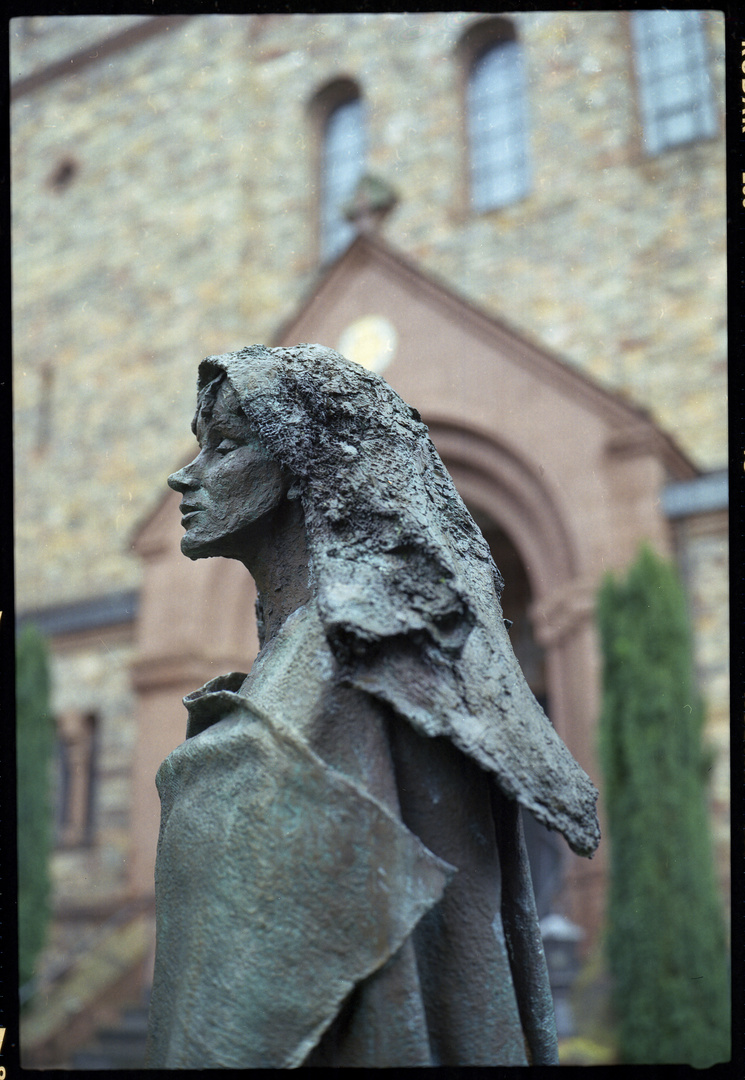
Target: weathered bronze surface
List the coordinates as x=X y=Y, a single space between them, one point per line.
x=341 y=875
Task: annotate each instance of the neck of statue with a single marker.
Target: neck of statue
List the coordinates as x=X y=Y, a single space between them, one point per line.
x=279 y=564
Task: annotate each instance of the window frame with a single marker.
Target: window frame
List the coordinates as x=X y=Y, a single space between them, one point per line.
x=324 y=103
x=648 y=149
x=474 y=44
x=76 y=768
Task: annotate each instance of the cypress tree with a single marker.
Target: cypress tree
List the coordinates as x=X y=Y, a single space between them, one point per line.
x=34 y=749
x=665 y=937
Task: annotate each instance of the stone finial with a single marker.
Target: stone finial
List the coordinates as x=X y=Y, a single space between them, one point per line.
x=373 y=198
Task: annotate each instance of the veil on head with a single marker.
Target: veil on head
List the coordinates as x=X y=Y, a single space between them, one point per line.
x=407 y=589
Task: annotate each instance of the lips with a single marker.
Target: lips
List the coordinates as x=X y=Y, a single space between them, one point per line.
x=188 y=510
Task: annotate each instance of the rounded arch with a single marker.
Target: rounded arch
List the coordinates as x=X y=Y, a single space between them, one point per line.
x=330 y=95
x=502 y=489
x=491 y=477
x=482 y=35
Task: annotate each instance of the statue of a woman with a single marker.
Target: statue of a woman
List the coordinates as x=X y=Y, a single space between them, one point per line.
x=341 y=875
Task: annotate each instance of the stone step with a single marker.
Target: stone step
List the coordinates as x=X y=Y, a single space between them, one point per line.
x=119 y=1046
x=84 y=1060
x=133 y=1022
x=91 y=1059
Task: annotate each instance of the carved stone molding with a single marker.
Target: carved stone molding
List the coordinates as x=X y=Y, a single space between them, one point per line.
x=160 y=672
x=563 y=612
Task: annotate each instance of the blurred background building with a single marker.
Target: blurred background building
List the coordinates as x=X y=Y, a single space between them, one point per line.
x=519 y=220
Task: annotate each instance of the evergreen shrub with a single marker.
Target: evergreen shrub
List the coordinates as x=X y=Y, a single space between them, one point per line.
x=665 y=933
x=35 y=738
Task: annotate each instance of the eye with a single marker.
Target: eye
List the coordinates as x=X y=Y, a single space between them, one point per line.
x=226 y=447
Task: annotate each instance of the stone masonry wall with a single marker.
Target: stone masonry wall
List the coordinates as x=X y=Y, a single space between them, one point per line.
x=184 y=223
x=164 y=206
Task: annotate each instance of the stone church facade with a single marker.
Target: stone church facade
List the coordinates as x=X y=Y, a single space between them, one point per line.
x=563 y=335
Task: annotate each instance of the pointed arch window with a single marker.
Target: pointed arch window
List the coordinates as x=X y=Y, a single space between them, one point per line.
x=342 y=166
x=675 y=93
x=498 y=123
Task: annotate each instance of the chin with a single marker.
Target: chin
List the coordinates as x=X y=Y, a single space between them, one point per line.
x=193 y=549
x=211 y=547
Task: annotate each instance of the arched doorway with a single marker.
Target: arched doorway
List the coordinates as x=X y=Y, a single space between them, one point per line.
x=544 y=850
x=549 y=597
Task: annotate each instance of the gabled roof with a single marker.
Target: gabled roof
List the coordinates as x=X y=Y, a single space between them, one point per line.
x=633 y=422
x=372 y=274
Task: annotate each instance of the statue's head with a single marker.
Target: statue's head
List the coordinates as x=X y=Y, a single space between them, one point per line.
x=232 y=485
x=388 y=535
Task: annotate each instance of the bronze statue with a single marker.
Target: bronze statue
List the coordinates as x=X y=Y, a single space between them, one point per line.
x=341 y=874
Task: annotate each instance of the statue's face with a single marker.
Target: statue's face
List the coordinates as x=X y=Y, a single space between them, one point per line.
x=230 y=487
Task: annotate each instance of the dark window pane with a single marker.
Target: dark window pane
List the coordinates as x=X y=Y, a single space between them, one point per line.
x=675 y=95
x=498 y=127
x=343 y=163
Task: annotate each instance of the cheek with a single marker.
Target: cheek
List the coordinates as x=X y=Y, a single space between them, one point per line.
x=254 y=489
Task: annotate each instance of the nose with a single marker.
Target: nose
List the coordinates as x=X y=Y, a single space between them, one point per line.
x=181 y=481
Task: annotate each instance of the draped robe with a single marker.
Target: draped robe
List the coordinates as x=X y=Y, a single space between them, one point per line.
x=335 y=888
